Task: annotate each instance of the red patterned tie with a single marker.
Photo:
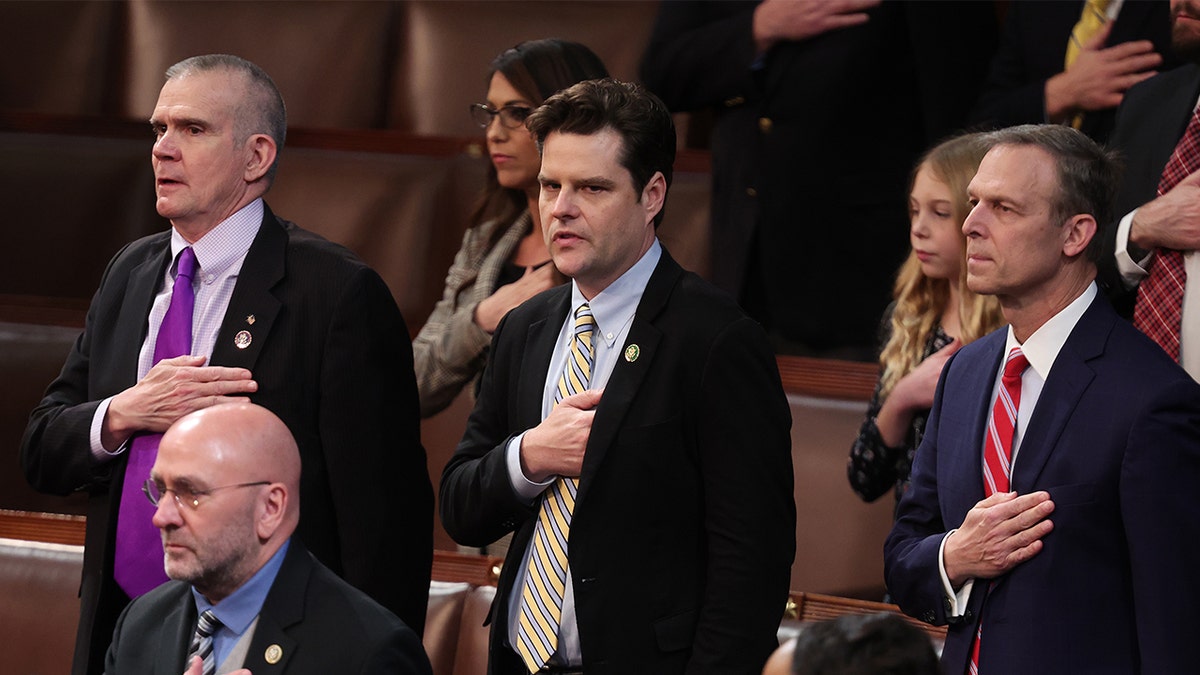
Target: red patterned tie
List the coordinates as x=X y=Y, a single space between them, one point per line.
x=1159 y=305
x=997 y=450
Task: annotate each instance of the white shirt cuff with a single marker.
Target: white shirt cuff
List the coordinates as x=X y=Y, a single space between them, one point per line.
x=98 y=451
x=527 y=489
x=1132 y=271
x=956 y=602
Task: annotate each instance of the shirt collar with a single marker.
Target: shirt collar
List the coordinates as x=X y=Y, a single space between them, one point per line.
x=237 y=611
x=226 y=243
x=1043 y=346
x=616 y=304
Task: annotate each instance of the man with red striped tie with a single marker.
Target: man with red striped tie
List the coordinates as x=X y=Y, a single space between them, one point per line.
x=1052 y=519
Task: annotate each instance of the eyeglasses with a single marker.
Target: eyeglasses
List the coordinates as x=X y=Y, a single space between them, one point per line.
x=511 y=116
x=187 y=496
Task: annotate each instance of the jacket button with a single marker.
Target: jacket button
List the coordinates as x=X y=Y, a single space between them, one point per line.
x=765 y=124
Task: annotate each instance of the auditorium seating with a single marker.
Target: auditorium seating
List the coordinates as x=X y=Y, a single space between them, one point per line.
x=41 y=560
x=381 y=157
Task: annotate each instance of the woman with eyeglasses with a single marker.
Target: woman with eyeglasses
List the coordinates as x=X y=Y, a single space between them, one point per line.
x=503 y=260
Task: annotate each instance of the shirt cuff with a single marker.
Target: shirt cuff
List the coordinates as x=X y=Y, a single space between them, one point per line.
x=1132 y=271
x=98 y=451
x=527 y=489
x=956 y=603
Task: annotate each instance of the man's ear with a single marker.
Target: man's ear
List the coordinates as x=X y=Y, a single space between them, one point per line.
x=260 y=156
x=654 y=195
x=1078 y=232
x=270 y=514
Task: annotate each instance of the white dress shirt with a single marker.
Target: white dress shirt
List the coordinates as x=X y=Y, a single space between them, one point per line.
x=219 y=257
x=1042 y=350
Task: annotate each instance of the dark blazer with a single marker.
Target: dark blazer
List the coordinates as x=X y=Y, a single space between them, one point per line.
x=813 y=144
x=332 y=358
x=1150 y=122
x=1033 y=46
x=322 y=625
x=1115 y=439
x=683 y=532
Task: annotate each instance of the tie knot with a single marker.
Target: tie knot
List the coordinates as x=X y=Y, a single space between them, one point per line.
x=1016 y=365
x=584 y=321
x=187 y=264
x=207 y=624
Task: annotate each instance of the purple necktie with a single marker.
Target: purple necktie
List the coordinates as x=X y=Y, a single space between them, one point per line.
x=139 y=556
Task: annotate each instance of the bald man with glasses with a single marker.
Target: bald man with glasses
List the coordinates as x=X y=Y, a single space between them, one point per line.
x=245 y=593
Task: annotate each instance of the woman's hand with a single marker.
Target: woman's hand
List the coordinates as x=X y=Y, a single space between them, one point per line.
x=535 y=280
x=912 y=393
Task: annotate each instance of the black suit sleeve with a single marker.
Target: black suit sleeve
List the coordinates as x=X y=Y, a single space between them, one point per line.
x=372 y=450
x=700 y=54
x=477 y=502
x=744 y=450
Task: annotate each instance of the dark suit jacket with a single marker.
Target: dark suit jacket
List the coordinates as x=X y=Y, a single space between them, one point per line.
x=322 y=624
x=1150 y=122
x=332 y=358
x=1115 y=439
x=683 y=532
x=1033 y=47
x=813 y=145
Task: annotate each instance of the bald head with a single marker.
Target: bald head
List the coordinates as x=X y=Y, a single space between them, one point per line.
x=234 y=473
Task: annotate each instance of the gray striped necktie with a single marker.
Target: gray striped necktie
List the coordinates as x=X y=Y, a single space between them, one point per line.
x=202 y=641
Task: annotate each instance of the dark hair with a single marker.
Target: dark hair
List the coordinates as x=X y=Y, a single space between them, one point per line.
x=638 y=116
x=1088 y=174
x=864 y=644
x=536 y=69
x=262 y=110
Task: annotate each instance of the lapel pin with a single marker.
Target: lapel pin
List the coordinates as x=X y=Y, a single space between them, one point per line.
x=632 y=352
x=242 y=339
x=250 y=319
x=273 y=654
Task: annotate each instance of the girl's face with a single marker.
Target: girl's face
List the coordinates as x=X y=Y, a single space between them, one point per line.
x=513 y=151
x=934 y=231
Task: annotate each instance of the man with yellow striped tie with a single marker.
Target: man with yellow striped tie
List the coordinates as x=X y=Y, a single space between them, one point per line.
x=631 y=429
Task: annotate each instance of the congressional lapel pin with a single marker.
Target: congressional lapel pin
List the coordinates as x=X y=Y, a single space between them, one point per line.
x=632 y=352
x=242 y=339
x=273 y=654
x=250 y=319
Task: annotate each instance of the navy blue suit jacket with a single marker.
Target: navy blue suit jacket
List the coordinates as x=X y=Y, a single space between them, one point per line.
x=1115 y=440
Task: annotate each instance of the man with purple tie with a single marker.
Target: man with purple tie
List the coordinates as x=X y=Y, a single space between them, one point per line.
x=277 y=316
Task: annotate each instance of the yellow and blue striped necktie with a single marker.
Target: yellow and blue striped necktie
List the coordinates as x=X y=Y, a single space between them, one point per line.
x=545 y=582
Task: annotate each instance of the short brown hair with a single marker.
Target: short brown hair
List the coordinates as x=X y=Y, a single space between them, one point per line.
x=638 y=116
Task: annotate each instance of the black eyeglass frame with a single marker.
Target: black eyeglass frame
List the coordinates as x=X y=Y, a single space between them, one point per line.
x=511 y=116
x=150 y=487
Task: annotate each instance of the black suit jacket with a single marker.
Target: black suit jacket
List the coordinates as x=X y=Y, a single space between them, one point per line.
x=1033 y=47
x=1115 y=440
x=813 y=144
x=332 y=358
x=683 y=531
x=320 y=624
x=1150 y=122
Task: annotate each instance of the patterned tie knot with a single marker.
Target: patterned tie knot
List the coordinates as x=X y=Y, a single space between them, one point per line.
x=584 y=321
x=1015 y=366
x=202 y=641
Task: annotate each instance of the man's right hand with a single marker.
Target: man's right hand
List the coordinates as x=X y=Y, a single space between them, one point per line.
x=1170 y=221
x=172 y=389
x=1000 y=533
x=1099 y=76
x=777 y=20
x=557 y=445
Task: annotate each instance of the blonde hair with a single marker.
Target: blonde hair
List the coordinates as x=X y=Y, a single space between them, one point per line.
x=921 y=300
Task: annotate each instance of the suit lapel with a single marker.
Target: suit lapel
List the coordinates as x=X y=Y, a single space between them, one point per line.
x=627 y=375
x=134 y=320
x=1069 y=379
x=974 y=395
x=178 y=628
x=282 y=609
x=263 y=268
x=540 y=338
